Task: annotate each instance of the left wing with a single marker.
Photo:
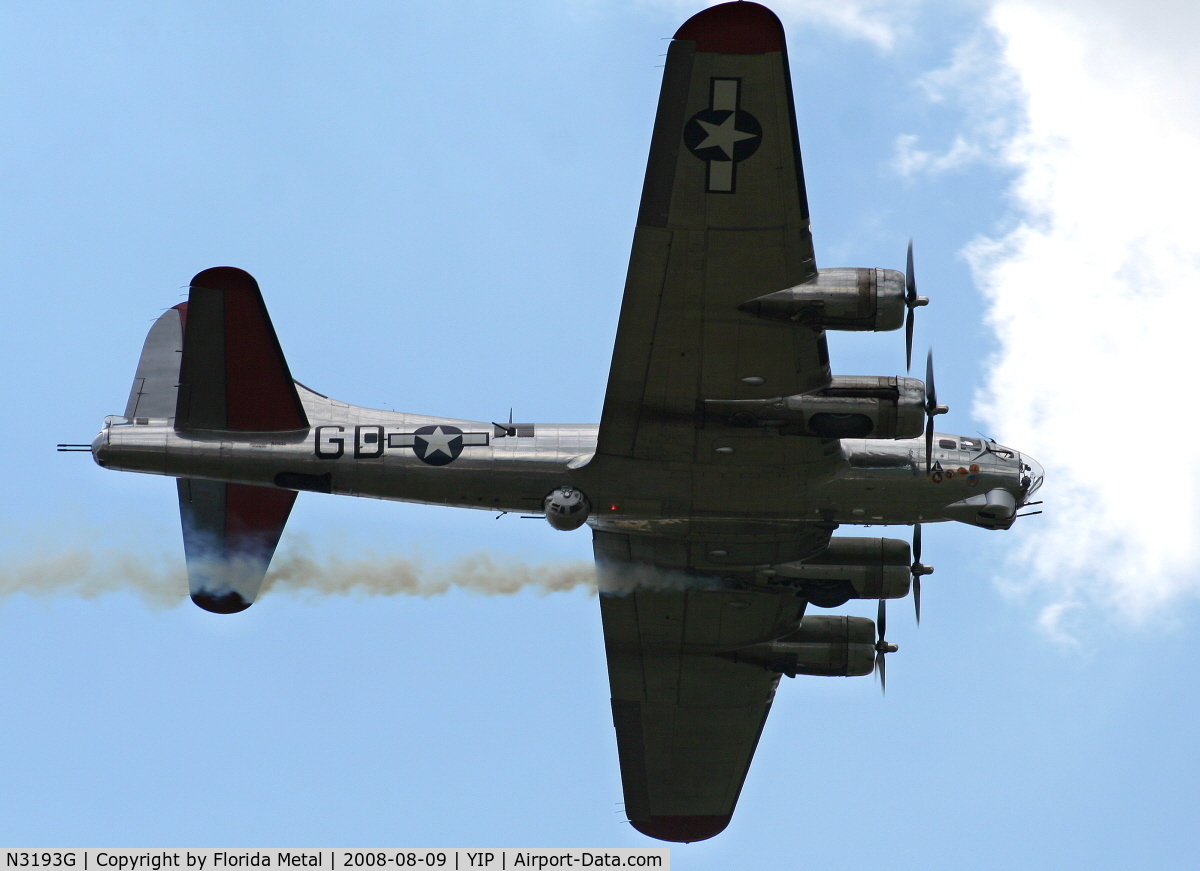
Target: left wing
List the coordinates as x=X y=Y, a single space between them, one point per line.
x=723 y=220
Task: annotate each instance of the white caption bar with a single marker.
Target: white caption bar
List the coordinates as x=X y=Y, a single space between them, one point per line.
x=338 y=860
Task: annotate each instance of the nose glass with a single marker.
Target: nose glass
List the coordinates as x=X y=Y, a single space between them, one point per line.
x=1032 y=475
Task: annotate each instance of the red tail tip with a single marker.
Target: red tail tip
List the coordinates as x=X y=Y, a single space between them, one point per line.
x=225 y=278
x=682 y=830
x=734 y=28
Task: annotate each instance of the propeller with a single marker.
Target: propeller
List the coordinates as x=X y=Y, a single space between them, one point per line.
x=882 y=647
x=931 y=409
x=918 y=569
x=913 y=302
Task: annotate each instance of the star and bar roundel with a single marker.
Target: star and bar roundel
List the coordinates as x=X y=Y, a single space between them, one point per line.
x=723 y=135
x=437 y=445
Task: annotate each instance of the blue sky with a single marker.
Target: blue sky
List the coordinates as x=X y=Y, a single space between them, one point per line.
x=438 y=204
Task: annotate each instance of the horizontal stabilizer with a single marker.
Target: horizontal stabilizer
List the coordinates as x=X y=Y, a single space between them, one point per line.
x=232 y=375
x=154 y=384
x=230 y=532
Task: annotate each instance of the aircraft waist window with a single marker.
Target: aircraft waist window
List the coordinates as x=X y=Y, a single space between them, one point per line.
x=948 y=444
x=972 y=445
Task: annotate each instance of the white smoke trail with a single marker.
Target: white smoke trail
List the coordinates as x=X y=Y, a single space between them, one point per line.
x=487 y=574
x=88 y=572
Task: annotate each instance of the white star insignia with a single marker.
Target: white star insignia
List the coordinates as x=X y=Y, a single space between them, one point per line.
x=724 y=135
x=437 y=442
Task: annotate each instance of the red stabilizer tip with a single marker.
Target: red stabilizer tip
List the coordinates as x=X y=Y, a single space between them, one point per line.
x=225 y=603
x=734 y=28
x=225 y=278
x=683 y=830
x=182 y=309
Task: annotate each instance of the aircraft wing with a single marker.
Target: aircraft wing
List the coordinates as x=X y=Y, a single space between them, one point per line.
x=723 y=219
x=687 y=715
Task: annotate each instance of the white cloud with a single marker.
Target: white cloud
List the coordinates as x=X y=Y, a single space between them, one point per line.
x=910 y=160
x=1094 y=298
x=876 y=21
x=984 y=91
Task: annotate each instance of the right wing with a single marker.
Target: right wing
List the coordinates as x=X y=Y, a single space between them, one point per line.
x=687 y=714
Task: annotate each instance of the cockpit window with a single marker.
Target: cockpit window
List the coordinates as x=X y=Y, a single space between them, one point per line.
x=948 y=444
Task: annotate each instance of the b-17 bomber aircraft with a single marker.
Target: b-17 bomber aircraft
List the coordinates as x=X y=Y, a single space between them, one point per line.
x=726 y=456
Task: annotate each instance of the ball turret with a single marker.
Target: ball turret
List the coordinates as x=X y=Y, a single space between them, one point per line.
x=567 y=509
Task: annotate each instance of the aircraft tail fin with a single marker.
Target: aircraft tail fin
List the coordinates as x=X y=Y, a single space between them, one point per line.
x=230 y=532
x=154 y=384
x=232 y=373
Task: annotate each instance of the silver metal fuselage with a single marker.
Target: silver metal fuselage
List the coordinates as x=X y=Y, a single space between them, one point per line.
x=497 y=468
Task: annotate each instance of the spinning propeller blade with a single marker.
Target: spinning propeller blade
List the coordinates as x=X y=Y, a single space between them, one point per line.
x=931 y=409
x=918 y=569
x=916 y=576
x=882 y=647
x=913 y=302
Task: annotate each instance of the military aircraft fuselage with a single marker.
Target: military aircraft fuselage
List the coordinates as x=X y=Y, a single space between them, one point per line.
x=357 y=451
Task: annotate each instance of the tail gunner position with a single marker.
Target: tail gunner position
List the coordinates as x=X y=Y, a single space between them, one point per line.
x=726 y=455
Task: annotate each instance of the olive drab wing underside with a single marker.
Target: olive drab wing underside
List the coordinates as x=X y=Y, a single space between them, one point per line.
x=723 y=220
x=687 y=714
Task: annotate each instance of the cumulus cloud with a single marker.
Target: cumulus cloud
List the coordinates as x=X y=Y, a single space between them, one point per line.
x=1092 y=295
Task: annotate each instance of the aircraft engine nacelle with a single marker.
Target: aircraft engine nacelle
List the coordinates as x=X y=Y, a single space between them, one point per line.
x=825 y=646
x=849 y=568
x=854 y=407
x=567 y=509
x=839 y=299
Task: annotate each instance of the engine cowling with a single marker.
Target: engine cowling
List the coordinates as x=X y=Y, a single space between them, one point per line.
x=826 y=646
x=850 y=568
x=859 y=407
x=839 y=299
x=567 y=508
